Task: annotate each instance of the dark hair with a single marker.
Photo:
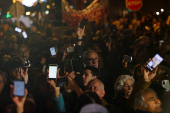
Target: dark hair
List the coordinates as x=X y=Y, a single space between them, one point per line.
x=18 y=49
x=94 y=71
x=52 y=60
x=87 y=98
x=13 y=63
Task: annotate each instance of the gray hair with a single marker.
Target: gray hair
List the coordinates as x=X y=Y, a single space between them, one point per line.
x=139 y=99
x=101 y=83
x=120 y=82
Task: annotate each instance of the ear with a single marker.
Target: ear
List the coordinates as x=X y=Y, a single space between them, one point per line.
x=103 y=93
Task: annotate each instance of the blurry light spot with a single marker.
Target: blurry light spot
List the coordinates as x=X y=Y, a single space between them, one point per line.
x=53 y=4
x=48 y=6
x=162 y=10
x=157 y=13
x=28 y=13
x=47 y=12
x=71 y=6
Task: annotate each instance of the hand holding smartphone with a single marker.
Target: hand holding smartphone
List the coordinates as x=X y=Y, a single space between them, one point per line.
x=19 y=88
x=52 y=50
x=156 y=60
x=83 y=22
x=53 y=71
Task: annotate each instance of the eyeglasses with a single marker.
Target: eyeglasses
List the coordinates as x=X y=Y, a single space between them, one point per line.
x=89 y=60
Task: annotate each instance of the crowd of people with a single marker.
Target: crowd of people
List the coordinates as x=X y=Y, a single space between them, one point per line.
x=108 y=73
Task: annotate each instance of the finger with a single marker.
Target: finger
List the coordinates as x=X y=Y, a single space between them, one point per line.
x=26 y=70
x=26 y=92
x=58 y=72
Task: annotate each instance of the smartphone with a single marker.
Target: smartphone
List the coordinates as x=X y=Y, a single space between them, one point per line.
x=68 y=66
x=106 y=38
x=18 y=30
x=19 y=88
x=128 y=59
x=165 y=84
x=83 y=22
x=160 y=43
x=61 y=82
x=24 y=34
x=53 y=71
x=156 y=60
x=69 y=50
x=53 y=52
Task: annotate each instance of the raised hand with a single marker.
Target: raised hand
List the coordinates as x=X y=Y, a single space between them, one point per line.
x=123 y=61
x=24 y=75
x=80 y=32
x=71 y=75
x=53 y=84
x=19 y=101
x=108 y=44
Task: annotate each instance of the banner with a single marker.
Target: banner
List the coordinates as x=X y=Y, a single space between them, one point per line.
x=96 y=10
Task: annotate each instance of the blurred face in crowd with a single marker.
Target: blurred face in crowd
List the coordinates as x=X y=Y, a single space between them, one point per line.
x=6 y=27
x=87 y=76
x=34 y=29
x=1 y=84
x=128 y=87
x=130 y=26
x=138 y=23
x=15 y=73
x=95 y=86
x=2 y=44
x=152 y=102
x=91 y=59
x=24 y=52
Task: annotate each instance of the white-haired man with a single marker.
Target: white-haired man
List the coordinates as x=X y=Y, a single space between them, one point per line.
x=97 y=86
x=147 y=102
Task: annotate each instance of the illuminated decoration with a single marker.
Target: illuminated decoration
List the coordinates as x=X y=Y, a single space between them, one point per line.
x=28 y=13
x=134 y=5
x=14 y=1
x=47 y=12
x=95 y=11
x=162 y=10
x=48 y=6
x=34 y=13
x=53 y=4
x=157 y=13
x=8 y=15
x=30 y=3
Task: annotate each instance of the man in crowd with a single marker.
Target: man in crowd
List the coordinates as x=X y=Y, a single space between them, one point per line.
x=147 y=102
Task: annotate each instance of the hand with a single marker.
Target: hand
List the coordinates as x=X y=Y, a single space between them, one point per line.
x=71 y=75
x=148 y=76
x=123 y=62
x=80 y=32
x=108 y=44
x=19 y=101
x=53 y=84
x=24 y=75
x=71 y=84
